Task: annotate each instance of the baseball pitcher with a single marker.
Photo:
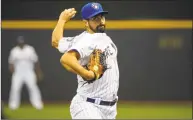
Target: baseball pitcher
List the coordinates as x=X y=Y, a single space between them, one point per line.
x=91 y=55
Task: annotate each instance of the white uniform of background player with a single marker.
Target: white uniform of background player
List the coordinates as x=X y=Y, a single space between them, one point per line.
x=95 y=100
x=22 y=62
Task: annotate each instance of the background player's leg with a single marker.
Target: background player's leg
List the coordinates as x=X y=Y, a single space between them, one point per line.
x=34 y=92
x=15 y=92
x=84 y=110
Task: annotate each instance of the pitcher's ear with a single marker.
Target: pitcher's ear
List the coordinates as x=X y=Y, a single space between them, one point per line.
x=86 y=22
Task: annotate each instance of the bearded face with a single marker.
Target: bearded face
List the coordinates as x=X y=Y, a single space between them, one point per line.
x=97 y=24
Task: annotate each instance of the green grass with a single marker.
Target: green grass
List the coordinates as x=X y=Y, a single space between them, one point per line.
x=125 y=111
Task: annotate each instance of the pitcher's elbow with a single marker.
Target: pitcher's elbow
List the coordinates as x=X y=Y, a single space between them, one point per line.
x=63 y=59
x=64 y=63
x=54 y=42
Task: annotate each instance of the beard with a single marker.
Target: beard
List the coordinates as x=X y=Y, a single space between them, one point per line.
x=99 y=29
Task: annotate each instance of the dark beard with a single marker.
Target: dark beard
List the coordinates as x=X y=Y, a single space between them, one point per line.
x=100 y=29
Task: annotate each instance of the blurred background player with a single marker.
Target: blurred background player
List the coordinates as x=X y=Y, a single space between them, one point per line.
x=24 y=66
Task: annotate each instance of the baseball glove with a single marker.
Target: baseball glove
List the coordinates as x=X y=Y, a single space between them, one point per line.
x=97 y=63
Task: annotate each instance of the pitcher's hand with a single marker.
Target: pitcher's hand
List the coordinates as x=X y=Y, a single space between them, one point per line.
x=67 y=14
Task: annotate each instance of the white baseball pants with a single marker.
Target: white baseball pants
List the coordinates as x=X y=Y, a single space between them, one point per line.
x=28 y=78
x=81 y=109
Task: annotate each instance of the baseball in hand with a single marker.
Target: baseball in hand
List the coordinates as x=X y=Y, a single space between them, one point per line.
x=67 y=14
x=72 y=10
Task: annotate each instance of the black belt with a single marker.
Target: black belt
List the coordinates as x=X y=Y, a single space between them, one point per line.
x=107 y=103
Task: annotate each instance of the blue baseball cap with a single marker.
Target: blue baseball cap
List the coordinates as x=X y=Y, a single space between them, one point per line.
x=91 y=9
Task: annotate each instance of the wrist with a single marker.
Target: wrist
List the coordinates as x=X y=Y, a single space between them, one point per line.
x=62 y=21
x=89 y=75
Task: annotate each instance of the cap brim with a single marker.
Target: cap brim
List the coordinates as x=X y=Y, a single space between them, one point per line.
x=103 y=12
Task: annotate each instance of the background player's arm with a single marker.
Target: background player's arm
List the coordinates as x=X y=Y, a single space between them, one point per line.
x=57 y=33
x=38 y=70
x=11 y=67
x=11 y=61
x=34 y=57
x=71 y=60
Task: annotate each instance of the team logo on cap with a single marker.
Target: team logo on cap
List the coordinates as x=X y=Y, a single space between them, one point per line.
x=95 y=6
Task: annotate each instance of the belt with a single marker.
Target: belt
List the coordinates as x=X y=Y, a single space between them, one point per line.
x=101 y=102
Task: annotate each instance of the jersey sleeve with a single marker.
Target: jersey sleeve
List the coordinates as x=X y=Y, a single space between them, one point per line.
x=65 y=43
x=84 y=48
x=34 y=56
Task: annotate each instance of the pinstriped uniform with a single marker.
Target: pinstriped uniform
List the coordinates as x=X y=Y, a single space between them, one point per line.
x=105 y=88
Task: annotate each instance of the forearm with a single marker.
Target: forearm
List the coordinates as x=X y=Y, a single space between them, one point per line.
x=69 y=68
x=57 y=33
x=72 y=62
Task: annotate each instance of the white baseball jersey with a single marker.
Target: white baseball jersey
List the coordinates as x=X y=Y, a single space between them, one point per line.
x=66 y=42
x=23 y=59
x=107 y=86
x=104 y=88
